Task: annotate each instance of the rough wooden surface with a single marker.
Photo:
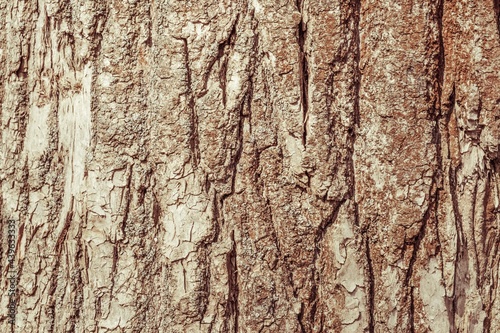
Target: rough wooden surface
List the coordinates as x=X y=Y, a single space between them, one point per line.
x=251 y=165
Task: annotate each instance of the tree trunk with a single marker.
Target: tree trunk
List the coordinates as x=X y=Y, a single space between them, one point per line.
x=251 y=165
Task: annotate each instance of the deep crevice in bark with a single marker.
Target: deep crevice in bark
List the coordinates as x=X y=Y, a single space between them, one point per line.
x=58 y=251
x=223 y=67
x=459 y=291
x=412 y=310
x=450 y=302
x=77 y=285
x=496 y=8
x=417 y=240
x=228 y=42
x=128 y=197
x=357 y=78
x=194 y=139
x=232 y=308
x=474 y=243
x=233 y=167
x=371 y=284
x=320 y=234
x=303 y=71
x=300 y=318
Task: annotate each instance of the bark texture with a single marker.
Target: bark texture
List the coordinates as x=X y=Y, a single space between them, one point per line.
x=251 y=165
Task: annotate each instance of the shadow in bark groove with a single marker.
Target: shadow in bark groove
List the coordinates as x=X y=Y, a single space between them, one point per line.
x=496 y=8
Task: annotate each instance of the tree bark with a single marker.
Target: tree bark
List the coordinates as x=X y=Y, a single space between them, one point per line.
x=251 y=165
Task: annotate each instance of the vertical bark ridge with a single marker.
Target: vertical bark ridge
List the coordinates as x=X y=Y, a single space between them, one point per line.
x=470 y=124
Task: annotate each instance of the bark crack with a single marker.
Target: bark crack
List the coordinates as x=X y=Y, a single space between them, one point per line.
x=194 y=140
x=496 y=8
x=232 y=309
x=58 y=250
x=412 y=310
x=320 y=234
x=300 y=318
x=127 y=192
x=461 y=254
x=303 y=70
x=371 y=284
x=357 y=78
x=223 y=68
x=221 y=52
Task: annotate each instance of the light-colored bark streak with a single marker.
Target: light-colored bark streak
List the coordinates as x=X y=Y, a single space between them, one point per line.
x=251 y=165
